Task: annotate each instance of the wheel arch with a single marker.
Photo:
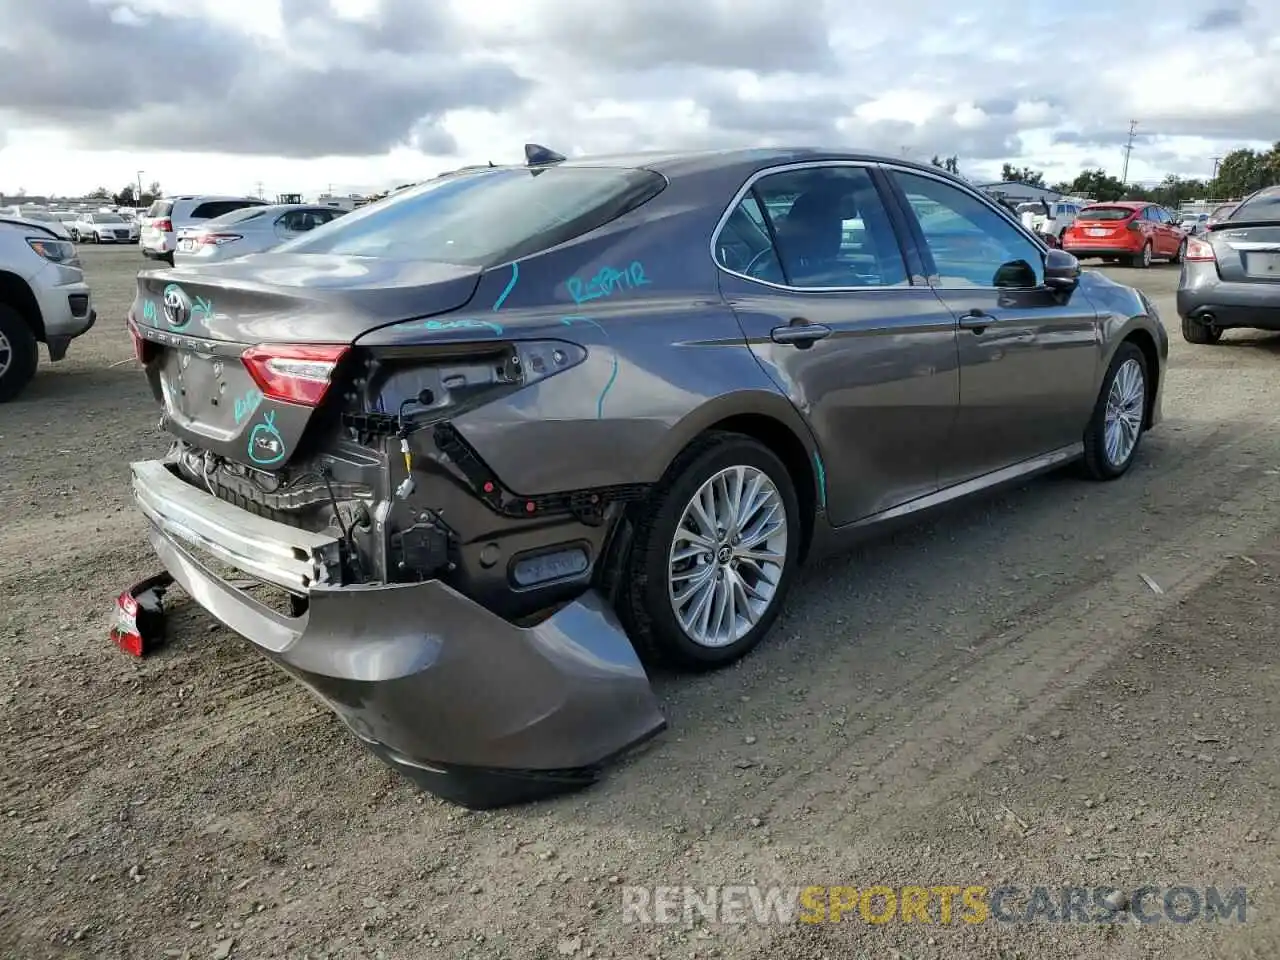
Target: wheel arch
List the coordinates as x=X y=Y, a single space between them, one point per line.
x=16 y=293
x=772 y=421
x=1145 y=342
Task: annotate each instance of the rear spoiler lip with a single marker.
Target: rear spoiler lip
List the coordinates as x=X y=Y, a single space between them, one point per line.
x=1240 y=224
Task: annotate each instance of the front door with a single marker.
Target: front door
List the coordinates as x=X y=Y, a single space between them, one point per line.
x=813 y=268
x=1029 y=357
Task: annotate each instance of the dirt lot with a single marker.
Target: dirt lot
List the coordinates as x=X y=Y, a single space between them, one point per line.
x=996 y=697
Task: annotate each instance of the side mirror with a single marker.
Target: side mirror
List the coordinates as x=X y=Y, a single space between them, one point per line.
x=1061 y=270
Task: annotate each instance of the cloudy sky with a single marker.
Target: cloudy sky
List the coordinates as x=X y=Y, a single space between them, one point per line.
x=298 y=95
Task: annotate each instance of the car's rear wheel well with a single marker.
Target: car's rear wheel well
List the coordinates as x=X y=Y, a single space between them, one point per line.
x=15 y=293
x=787 y=447
x=1144 y=342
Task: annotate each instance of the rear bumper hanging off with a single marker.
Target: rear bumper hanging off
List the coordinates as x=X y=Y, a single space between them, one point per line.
x=471 y=707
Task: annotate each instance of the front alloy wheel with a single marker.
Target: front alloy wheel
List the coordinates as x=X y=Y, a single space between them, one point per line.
x=713 y=553
x=1119 y=417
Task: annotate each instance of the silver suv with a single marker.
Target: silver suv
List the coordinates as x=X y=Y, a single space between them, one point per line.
x=166 y=218
x=43 y=299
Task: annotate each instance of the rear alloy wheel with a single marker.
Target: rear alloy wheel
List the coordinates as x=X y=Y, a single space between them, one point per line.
x=1115 y=429
x=1143 y=260
x=1199 y=332
x=18 y=353
x=1182 y=252
x=713 y=555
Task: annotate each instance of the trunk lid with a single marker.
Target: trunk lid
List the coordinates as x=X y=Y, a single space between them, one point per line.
x=239 y=353
x=1246 y=251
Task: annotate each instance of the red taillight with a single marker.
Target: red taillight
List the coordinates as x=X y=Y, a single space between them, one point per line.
x=165 y=225
x=1199 y=250
x=143 y=348
x=216 y=239
x=294 y=373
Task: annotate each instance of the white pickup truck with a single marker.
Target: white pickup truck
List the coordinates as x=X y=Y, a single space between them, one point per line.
x=43 y=299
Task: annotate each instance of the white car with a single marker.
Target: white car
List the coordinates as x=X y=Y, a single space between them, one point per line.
x=166 y=218
x=1049 y=217
x=104 y=228
x=44 y=299
x=45 y=218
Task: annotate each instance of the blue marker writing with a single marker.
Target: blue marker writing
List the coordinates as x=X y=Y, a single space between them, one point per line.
x=247 y=404
x=266 y=446
x=149 y=312
x=465 y=324
x=607 y=282
x=613 y=373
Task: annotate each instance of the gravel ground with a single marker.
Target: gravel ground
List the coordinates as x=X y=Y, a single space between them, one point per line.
x=995 y=697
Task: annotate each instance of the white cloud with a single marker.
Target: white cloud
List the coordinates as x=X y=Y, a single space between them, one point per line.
x=299 y=95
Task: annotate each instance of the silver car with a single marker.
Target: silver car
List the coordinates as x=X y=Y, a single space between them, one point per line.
x=249 y=230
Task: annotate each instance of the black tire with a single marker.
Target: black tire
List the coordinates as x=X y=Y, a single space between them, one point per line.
x=1182 y=252
x=1142 y=260
x=643 y=603
x=23 y=354
x=1201 y=334
x=1097 y=465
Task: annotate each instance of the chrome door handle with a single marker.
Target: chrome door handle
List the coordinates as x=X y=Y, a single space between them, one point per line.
x=800 y=334
x=976 y=320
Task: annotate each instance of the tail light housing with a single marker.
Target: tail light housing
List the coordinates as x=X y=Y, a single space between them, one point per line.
x=294 y=372
x=216 y=239
x=166 y=225
x=1199 y=251
x=143 y=349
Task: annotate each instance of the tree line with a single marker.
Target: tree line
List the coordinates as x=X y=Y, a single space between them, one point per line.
x=1240 y=173
x=129 y=196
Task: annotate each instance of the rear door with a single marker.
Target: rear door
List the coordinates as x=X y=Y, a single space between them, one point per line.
x=818 y=276
x=1028 y=356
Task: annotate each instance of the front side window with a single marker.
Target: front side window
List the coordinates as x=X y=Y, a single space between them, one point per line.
x=212 y=209
x=486 y=217
x=972 y=245
x=818 y=227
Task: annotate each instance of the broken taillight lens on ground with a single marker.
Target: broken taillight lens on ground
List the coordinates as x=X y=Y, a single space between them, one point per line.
x=138 y=627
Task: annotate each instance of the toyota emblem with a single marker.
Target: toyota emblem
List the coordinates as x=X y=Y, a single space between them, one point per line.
x=177 y=308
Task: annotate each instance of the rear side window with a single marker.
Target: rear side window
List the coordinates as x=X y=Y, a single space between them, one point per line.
x=486 y=218
x=216 y=208
x=1265 y=206
x=1106 y=213
x=817 y=228
x=160 y=208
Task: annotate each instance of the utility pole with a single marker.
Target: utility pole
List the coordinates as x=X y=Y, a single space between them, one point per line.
x=1128 y=149
x=259 y=189
x=1216 y=161
x=137 y=200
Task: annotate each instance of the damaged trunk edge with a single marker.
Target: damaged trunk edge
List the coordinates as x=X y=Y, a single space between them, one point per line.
x=453 y=623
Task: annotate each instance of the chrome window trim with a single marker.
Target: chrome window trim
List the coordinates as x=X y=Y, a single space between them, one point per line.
x=891 y=167
x=741 y=194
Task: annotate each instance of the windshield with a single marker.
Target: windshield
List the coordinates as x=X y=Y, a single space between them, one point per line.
x=1106 y=213
x=40 y=216
x=1222 y=211
x=1265 y=206
x=107 y=218
x=485 y=218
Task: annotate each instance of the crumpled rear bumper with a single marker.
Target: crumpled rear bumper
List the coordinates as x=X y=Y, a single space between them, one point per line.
x=474 y=709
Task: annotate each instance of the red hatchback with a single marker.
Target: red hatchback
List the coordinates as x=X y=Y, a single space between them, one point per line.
x=1126 y=230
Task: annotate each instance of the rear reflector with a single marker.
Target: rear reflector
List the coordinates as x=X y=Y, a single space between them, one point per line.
x=143 y=348
x=294 y=373
x=1200 y=251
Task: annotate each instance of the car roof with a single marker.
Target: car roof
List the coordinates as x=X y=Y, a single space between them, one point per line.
x=1130 y=204
x=683 y=162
